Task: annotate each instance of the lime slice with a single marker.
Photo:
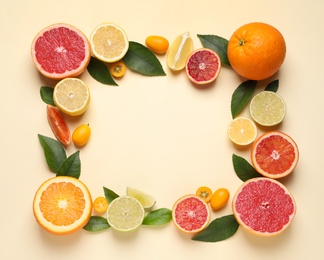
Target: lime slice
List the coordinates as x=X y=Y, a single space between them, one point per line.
x=125 y=213
x=179 y=52
x=242 y=131
x=145 y=199
x=267 y=108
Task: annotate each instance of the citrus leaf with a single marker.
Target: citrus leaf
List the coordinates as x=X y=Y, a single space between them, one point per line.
x=241 y=96
x=140 y=59
x=71 y=166
x=96 y=224
x=219 y=229
x=46 y=94
x=109 y=194
x=243 y=169
x=273 y=86
x=217 y=44
x=54 y=152
x=100 y=72
x=158 y=217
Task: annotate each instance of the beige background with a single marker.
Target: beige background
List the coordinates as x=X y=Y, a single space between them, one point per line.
x=159 y=134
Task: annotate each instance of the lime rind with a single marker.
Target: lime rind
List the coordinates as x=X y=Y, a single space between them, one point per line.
x=145 y=199
x=125 y=214
x=267 y=108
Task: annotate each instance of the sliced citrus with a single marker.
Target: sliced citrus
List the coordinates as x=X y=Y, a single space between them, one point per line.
x=242 y=131
x=190 y=214
x=267 y=108
x=117 y=69
x=100 y=204
x=125 y=213
x=145 y=199
x=71 y=96
x=60 y=51
x=109 y=42
x=263 y=206
x=179 y=52
x=274 y=154
x=62 y=205
x=203 y=66
x=204 y=193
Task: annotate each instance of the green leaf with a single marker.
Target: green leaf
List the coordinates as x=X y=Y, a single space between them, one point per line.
x=219 y=229
x=241 y=96
x=71 y=166
x=54 y=152
x=96 y=224
x=217 y=44
x=109 y=194
x=46 y=94
x=158 y=217
x=243 y=169
x=273 y=86
x=100 y=72
x=142 y=60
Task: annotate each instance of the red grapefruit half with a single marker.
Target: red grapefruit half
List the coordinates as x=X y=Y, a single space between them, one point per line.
x=190 y=214
x=203 y=66
x=274 y=154
x=60 y=51
x=263 y=206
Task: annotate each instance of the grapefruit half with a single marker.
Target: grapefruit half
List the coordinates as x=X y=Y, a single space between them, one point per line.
x=203 y=66
x=274 y=154
x=60 y=51
x=190 y=214
x=263 y=206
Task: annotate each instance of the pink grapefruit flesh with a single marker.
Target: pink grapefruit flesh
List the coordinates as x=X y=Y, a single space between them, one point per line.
x=203 y=66
x=190 y=214
x=60 y=51
x=263 y=206
x=274 y=155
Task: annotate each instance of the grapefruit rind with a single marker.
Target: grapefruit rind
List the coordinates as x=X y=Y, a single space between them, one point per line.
x=190 y=69
x=68 y=73
x=187 y=227
x=274 y=153
x=264 y=210
x=67 y=229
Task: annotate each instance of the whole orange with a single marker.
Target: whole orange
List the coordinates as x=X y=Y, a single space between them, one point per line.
x=256 y=50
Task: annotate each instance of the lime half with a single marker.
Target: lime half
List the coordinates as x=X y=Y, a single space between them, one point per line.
x=145 y=199
x=267 y=108
x=125 y=213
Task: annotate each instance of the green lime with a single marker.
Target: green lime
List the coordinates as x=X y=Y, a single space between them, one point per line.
x=125 y=213
x=267 y=108
x=145 y=199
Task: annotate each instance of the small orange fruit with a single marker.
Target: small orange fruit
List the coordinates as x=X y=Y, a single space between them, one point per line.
x=100 y=205
x=117 y=69
x=219 y=199
x=62 y=205
x=204 y=193
x=157 y=44
x=256 y=50
x=81 y=135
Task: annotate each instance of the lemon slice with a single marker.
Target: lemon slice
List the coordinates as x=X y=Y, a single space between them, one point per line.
x=125 y=213
x=242 y=131
x=145 y=199
x=71 y=96
x=179 y=52
x=109 y=42
x=267 y=108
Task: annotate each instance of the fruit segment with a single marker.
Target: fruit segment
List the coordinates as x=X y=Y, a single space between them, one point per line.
x=58 y=125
